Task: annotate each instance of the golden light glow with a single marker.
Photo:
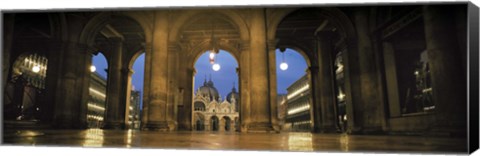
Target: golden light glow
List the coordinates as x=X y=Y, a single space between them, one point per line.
x=298 y=91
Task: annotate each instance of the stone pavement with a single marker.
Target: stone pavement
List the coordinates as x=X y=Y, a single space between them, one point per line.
x=285 y=141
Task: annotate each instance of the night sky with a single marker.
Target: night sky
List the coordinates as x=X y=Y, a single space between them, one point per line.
x=226 y=77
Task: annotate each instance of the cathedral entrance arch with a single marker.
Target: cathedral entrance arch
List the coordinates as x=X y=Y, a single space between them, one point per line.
x=217 y=94
x=214 y=123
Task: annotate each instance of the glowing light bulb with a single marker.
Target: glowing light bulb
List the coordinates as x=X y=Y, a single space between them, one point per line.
x=92 y=68
x=212 y=55
x=283 y=66
x=216 y=67
x=36 y=68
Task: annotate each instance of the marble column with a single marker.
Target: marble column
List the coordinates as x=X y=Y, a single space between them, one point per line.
x=259 y=95
x=114 y=114
x=157 y=106
x=325 y=79
x=447 y=70
x=146 y=82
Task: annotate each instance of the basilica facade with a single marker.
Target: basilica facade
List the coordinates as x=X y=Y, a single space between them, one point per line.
x=211 y=113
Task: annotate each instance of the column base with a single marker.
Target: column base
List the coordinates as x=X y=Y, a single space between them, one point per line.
x=157 y=126
x=260 y=127
x=114 y=125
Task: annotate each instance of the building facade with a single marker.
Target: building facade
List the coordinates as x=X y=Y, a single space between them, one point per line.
x=298 y=115
x=211 y=113
x=381 y=49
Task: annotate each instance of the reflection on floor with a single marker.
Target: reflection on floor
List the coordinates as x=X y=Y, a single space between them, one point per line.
x=235 y=141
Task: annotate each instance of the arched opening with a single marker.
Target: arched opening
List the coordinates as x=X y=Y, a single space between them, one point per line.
x=121 y=38
x=214 y=123
x=25 y=91
x=97 y=91
x=134 y=106
x=227 y=123
x=321 y=41
x=217 y=93
x=294 y=96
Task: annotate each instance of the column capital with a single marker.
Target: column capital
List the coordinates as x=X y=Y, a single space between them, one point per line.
x=173 y=46
x=148 y=46
x=244 y=46
x=313 y=69
x=272 y=44
x=127 y=71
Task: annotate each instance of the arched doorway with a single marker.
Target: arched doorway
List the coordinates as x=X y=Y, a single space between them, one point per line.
x=97 y=91
x=215 y=90
x=134 y=109
x=294 y=90
x=322 y=37
x=121 y=39
x=214 y=123
x=25 y=91
x=227 y=123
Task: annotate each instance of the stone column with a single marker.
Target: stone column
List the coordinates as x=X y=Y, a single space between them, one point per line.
x=272 y=78
x=157 y=106
x=447 y=72
x=126 y=94
x=146 y=83
x=52 y=79
x=259 y=95
x=221 y=124
x=172 y=79
x=373 y=108
x=315 y=105
x=8 y=21
x=325 y=79
x=244 y=87
x=70 y=104
x=114 y=116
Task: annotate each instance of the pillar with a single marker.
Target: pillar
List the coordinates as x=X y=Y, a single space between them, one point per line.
x=260 y=98
x=315 y=105
x=447 y=72
x=70 y=101
x=325 y=78
x=244 y=87
x=114 y=116
x=372 y=97
x=8 y=20
x=157 y=106
x=146 y=83
x=272 y=81
x=126 y=95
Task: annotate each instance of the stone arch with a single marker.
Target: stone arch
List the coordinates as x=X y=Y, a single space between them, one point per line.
x=95 y=24
x=335 y=15
x=302 y=50
x=188 y=15
x=205 y=46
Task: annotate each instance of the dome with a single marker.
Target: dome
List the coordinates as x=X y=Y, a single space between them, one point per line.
x=208 y=89
x=235 y=95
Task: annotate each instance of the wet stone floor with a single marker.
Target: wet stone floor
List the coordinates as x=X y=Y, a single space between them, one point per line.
x=284 y=141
